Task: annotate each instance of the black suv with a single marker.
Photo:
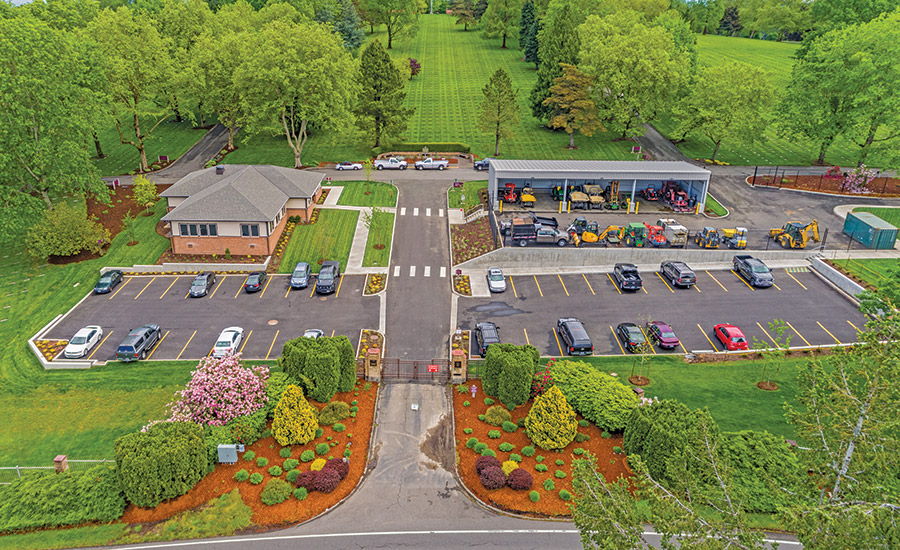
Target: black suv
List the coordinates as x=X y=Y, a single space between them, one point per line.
x=327 y=277
x=678 y=273
x=574 y=336
x=138 y=342
x=483 y=164
x=486 y=333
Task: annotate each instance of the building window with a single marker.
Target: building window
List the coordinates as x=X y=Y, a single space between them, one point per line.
x=249 y=230
x=195 y=230
x=270 y=227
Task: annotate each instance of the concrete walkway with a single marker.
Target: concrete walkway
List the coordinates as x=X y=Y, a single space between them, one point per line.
x=842 y=209
x=361 y=234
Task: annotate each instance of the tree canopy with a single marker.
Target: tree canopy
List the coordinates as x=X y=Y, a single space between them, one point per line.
x=381 y=91
x=499 y=110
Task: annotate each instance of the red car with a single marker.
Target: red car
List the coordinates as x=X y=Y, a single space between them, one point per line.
x=731 y=337
x=662 y=334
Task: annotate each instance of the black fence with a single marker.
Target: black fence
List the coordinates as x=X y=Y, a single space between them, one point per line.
x=801 y=179
x=435 y=371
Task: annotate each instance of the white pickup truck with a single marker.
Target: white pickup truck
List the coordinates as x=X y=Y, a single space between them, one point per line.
x=392 y=163
x=432 y=164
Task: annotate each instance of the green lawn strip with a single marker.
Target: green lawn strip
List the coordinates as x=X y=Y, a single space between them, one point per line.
x=329 y=238
x=171 y=139
x=78 y=537
x=890 y=215
x=714 y=206
x=381 y=233
x=469 y=190
x=872 y=271
x=380 y=194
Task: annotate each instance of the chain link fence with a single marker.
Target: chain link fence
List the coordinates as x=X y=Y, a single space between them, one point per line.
x=8 y=474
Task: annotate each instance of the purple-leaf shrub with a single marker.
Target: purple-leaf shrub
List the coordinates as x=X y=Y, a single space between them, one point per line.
x=327 y=480
x=519 y=480
x=414 y=67
x=486 y=462
x=339 y=466
x=493 y=478
x=307 y=480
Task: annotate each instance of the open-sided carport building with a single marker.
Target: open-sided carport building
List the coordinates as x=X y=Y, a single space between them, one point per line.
x=633 y=176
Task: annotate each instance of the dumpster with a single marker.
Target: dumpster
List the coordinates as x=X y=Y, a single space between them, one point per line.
x=870 y=231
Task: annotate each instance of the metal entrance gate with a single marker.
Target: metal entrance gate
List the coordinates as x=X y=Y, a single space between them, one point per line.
x=435 y=371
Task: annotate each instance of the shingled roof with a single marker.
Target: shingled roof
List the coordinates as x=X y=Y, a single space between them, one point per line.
x=242 y=193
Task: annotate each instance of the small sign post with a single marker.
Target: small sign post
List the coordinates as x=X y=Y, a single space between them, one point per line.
x=637 y=151
x=163 y=158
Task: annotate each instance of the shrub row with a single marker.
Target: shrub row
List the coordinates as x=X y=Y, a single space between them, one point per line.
x=597 y=396
x=323 y=366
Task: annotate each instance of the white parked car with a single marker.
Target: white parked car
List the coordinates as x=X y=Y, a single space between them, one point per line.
x=348 y=166
x=313 y=333
x=83 y=342
x=228 y=342
x=496 y=280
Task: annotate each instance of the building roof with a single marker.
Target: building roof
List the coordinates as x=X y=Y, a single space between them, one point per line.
x=609 y=169
x=242 y=193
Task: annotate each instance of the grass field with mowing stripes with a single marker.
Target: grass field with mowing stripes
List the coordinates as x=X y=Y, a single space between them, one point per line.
x=890 y=215
x=354 y=193
x=381 y=233
x=329 y=238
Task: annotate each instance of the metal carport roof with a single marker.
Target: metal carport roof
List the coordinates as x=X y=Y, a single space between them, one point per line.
x=606 y=169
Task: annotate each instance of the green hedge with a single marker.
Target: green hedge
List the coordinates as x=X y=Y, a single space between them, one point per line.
x=323 y=366
x=162 y=463
x=54 y=500
x=599 y=397
x=763 y=468
x=433 y=147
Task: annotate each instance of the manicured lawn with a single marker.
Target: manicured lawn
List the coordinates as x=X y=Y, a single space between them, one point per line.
x=469 y=190
x=381 y=233
x=354 y=193
x=872 y=271
x=91 y=535
x=329 y=238
x=890 y=215
x=714 y=206
x=171 y=138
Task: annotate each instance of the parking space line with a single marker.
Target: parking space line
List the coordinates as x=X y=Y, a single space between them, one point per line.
x=614 y=283
x=854 y=326
x=263 y=293
x=795 y=279
x=766 y=332
x=163 y=295
x=156 y=347
x=664 y=282
x=557 y=342
x=187 y=294
x=241 y=287
x=538 y=285
x=527 y=341
x=340 y=282
x=516 y=294
x=742 y=280
x=288 y=291
x=829 y=333
x=776 y=286
x=644 y=289
x=798 y=332
x=589 y=284
x=682 y=347
x=272 y=344
x=650 y=344
x=563 y=284
x=616 y=338
x=698 y=288
x=244 y=343
x=707 y=336
x=211 y=350
x=218 y=285
x=185 y=346
x=121 y=287
x=108 y=334
x=717 y=281
x=313 y=289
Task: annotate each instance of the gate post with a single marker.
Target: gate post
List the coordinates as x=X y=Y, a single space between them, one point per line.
x=61 y=463
x=373 y=365
x=458 y=366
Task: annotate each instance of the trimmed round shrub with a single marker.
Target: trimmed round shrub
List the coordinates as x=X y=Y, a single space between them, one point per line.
x=471 y=442
x=507 y=447
x=579 y=451
x=551 y=422
x=488 y=401
x=256 y=478
x=528 y=451
x=549 y=484
x=338 y=465
x=322 y=448
x=483 y=462
x=519 y=480
x=509 y=466
x=354 y=409
x=494 y=434
x=565 y=495
x=560 y=474
x=480 y=447
x=560 y=462
x=290 y=464
x=492 y=478
x=327 y=480
x=307 y=456
x=241 y=475
x=319 y=432
x=307 y=480
x=285 y=452
x=262 y=462
x=534 y=496
x=605 y=434
x=617 y=450
x=488 y=452
x=466 y=404
x=300 y=493
x=275 y=471
x=467 y=431
x=521 y=422
x=584 y=423
x=581 y=438
x=481 y=417
x=249 y=455
x=515 y=458
x=509 y=427
x=291 y=476
x=539 y=458
x=497 y=415
x=317 y=464
x=347 y=453
x=354 y=402
x=339 y=427
x=295 y=420
x=276 y=492
x=541 y=467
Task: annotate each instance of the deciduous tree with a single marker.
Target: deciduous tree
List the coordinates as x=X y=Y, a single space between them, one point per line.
x=400 y=17
x=573 y=108
x=464 y=10
x=381 y=91
x=143 y=191
x=499 y=111
x=501 y=19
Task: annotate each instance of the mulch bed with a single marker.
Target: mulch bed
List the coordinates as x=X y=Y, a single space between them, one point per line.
x=110 y=215
x=169 y=257
x=462 y=285
x=323 y=196
x=51 y=348
x=879 y=187
x=471 y=240
x=375 y=283
x=292 y=510
x=611 y=465
x=723 y=357
x=370 y=339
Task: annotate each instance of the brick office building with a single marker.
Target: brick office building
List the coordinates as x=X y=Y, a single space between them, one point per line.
x=242 y=208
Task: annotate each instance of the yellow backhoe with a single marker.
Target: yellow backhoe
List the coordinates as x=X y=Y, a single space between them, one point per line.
x=795 y=234
x=613 y=234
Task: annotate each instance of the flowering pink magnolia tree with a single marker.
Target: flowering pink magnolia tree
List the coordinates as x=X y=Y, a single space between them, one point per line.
x=220 y=389
x=857 y=179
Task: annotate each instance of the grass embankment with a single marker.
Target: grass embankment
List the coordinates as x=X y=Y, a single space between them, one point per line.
x=171 y=139
x=380 y=233
x=469 y=190
x=873 y=272
x=354 y=194
x=327 y=239
x=713 y=206
x=890 y=215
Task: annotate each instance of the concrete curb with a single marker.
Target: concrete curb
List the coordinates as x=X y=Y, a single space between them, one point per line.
x=841 y=210
x=51 y=365
x=727 y=211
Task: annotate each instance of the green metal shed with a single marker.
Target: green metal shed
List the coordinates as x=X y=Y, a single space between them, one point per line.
x=870 y=230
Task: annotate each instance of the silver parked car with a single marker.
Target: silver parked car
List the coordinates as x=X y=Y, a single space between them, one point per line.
x=348 y=166
x=496 y=280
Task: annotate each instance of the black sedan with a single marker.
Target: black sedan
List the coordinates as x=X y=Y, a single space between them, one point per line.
x=631 y=336
x=254 y=282
x=202 y=283
x=108 y=281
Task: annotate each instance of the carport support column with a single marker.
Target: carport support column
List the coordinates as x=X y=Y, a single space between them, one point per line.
x=633 y=200
x=701 y=200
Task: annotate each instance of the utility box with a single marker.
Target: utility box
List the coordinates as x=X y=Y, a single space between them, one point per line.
x=870 y=231
x=228 y=454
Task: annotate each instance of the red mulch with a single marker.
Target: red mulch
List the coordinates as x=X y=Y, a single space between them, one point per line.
x=879 y=187
x=115 y=211
x=471 y=240
x=221 y=480
x=80 y=257
x=550 y=504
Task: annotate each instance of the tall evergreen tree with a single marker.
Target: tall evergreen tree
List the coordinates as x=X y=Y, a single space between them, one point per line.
x=480 y=8
x=526 y=22
x=379 y=106
x=573 y=108
x=501 y=19
x=349 y=26
x=557 y=43
x=464 y=10
x=530 y=48
x=499 y=111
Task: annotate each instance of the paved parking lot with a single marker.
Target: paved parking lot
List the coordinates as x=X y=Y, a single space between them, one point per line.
x=528 y=310
x=190 y=325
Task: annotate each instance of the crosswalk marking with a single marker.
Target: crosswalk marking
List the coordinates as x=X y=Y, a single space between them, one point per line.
x=396 y=271
x=403 y=211
x=412 y=271
x=428 y=211
x=427 y=272
x=441 y=212
x=415 y=211
x=443 y=268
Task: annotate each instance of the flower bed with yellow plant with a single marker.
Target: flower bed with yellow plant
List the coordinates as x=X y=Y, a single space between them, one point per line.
x=370 y=339
x=51 y=348
x=462 y=285
x=375 y=282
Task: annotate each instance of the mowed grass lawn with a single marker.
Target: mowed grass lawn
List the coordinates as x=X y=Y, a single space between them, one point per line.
x=380 y=233
x=872 y=271
x=890 y=215
x=381 y=193
x=327 y=239
x=469 y=190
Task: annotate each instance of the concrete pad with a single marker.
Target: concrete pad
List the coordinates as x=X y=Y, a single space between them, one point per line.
x=334 y=193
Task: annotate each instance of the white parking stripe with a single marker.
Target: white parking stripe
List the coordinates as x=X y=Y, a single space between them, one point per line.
x=443 y=267
x=396 y=271
x=402 y=210
x=428 y=211
x=427 y=271
x=441 y=212
x=412 y=271
x=415 y=211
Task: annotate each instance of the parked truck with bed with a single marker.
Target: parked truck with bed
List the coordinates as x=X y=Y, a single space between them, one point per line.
x=432 y=164
x=392 y=163
x=753 y=270
x=627 y=277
